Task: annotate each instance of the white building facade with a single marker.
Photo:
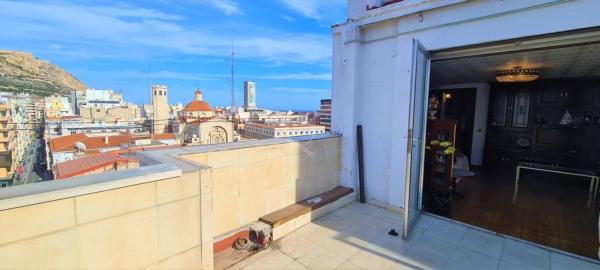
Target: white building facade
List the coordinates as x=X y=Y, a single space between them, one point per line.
x=381 y=64
x=263 y=131
x=102 y=98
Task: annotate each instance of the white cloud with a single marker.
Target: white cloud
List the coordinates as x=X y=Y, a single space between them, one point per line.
x=191 y=76
x=124 y=30
x=288 y=18
x=228 y=7
x=55 y=46
x=315 y=9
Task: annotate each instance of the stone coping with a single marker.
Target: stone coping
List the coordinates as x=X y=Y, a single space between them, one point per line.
x=173 y=155
x=24 y=195
x=159 y=164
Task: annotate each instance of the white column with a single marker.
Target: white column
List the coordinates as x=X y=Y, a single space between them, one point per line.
x=346 y=45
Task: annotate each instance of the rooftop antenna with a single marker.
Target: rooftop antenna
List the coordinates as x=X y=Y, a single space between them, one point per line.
x=151 y=97
x=232 y=79
x=149 y=83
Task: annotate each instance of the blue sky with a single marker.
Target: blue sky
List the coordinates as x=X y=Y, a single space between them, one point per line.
x=283 y=45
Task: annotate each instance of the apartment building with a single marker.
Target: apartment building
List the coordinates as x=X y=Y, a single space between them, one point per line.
x=7 y=141
x=325 y=114
x=262 y=131
x=102 y=98
x=16 y=132
x=56 y=106
x=67 y=125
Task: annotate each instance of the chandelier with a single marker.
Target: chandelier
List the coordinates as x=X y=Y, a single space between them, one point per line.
x=517 y=74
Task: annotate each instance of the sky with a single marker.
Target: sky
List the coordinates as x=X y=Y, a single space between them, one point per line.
x=282 y=45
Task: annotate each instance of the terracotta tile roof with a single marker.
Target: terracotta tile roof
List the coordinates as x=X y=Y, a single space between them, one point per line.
x=87 y=164
x=165 y=136
x=197 y=106
x=67 y=143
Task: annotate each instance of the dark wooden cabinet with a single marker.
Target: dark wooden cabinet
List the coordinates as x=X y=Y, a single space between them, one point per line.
x=524 y=124
x=510 y=108
x=499 y=109
x=521 y=103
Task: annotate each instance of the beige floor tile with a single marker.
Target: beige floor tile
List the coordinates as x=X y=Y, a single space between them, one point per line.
x=483 y=242
x=295 y=266
x=341 y=245
x=467 y=259
x=294 y=247
x=561 y=261
x=388 y=216
x=350 y=238
x=390 y=246
x=275 y=260
x=519 y=254
x=371 y=260
x=349 y=266
x=319 y=258
x=252 y=259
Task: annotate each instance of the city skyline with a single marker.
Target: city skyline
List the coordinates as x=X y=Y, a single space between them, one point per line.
x=281 y=45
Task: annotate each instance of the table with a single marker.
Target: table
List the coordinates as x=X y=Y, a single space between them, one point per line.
x=594 y=178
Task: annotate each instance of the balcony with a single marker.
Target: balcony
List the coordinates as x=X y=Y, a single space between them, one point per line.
x=167 y=213
x=175 y=210
x=356 y=237
x=6 y=136
x=6 y=158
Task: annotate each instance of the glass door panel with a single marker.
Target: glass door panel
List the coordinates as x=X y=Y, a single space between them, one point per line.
x=416 y=135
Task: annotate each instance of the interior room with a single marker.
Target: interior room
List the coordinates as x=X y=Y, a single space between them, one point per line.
x=513 y=145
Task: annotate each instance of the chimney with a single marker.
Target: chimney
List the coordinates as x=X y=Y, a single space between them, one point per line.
x=105 y=139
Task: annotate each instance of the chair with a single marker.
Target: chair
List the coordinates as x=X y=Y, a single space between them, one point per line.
x=460 y=170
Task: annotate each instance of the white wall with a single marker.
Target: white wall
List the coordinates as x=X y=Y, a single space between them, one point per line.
x=372 y=72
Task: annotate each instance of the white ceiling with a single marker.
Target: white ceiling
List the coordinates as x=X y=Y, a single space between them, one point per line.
x=576 y=61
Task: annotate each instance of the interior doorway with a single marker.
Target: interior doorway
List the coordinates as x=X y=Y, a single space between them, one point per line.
x=530 y=168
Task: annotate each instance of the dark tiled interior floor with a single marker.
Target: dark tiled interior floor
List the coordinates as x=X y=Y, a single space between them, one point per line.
x=550 y=210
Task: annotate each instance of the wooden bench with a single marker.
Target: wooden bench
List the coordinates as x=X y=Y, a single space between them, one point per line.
x=296 y=215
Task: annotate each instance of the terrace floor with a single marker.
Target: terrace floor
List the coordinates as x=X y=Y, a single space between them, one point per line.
x=356 y=237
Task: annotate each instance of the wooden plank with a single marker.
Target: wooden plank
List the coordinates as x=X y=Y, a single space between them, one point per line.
x=326 y=197
x=286 y=214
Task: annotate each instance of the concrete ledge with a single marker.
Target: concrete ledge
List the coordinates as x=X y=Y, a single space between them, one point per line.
x=256 y=143
x=176 y=157
x=23 y=195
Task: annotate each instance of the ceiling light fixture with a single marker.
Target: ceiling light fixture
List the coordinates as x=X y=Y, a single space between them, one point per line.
x=517 y=74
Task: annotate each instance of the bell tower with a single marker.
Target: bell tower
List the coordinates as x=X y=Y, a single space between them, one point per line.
x=160 y=108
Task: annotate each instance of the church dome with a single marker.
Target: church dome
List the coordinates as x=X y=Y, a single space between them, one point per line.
x=198 y=106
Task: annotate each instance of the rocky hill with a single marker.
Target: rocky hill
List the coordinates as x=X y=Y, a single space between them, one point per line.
x=23 y=72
